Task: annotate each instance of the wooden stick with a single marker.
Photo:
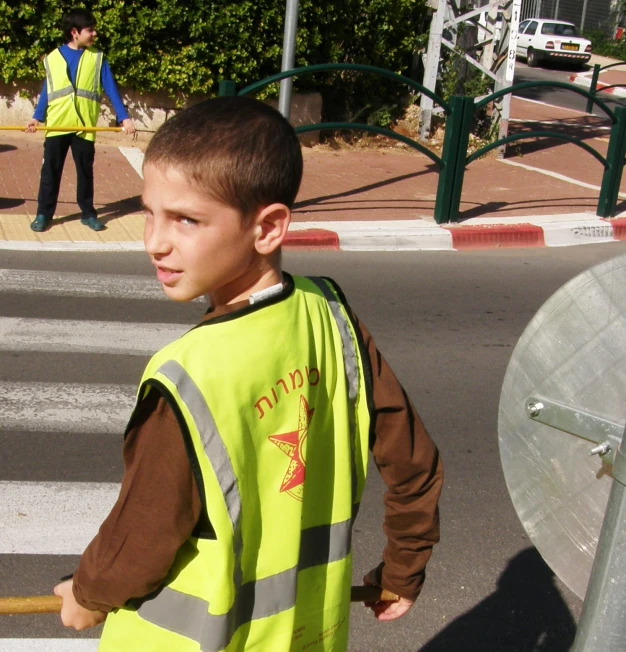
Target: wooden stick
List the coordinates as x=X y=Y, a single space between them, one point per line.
x=72 y=129
x=371 y=594
x=51 y=604
x=37 y=604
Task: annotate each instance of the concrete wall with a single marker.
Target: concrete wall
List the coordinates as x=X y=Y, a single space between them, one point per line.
x=148 y=110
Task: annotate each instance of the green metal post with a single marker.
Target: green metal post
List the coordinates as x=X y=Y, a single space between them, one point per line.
x=592 y=88
x=612 y=176
x=227 y=89
x=459 y=175
x=455 y=143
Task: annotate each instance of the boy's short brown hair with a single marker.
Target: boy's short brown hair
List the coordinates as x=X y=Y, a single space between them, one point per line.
x=237 y=150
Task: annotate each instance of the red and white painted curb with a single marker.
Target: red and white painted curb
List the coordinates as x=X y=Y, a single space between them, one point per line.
x=477 y=233
x=411 y=235
x=585 y=80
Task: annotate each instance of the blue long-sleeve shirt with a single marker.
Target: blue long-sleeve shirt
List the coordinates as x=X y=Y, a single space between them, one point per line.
x=106 y=78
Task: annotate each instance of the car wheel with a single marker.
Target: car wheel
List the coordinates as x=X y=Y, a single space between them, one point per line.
x=532 y=59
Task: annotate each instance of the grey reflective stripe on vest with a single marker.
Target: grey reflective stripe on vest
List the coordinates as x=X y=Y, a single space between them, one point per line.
x=189 y=616
x=54 y=93
x=211 y=440
x=88 y=95
x=352 y=369
x=68 y=90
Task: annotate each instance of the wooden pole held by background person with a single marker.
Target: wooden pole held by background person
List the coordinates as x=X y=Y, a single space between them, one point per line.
x=68 y=129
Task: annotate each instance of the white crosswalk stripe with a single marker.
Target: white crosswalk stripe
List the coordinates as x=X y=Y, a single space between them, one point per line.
x=58 y=517
x=68 y=284
x=69 y=513
x=48 y=645
x=74 y=336
x=65 y=407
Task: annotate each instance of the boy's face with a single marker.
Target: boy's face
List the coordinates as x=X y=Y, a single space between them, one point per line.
x=198 y=245
x=85 y=38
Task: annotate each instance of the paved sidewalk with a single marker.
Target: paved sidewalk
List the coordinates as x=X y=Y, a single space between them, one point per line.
x=544 y=194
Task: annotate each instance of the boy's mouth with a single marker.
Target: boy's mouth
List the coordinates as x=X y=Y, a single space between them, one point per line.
x=167 y=276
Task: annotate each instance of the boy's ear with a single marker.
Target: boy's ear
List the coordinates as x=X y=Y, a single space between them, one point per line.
x=272 y=223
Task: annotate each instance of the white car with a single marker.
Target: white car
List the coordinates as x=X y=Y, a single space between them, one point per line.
x=542 y=39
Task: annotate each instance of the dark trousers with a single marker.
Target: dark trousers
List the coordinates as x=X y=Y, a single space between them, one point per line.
x=54 y=154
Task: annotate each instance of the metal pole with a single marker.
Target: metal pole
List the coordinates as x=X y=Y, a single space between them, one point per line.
x=602 y=625
x=502 y=107
x=289 y=55
x=432 y=66
x=582 y=20
x=556 y=10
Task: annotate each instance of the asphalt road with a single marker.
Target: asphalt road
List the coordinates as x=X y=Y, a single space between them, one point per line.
x=557 y=96
x=447 y=323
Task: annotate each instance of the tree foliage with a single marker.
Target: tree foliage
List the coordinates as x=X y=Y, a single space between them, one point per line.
x=185 y=47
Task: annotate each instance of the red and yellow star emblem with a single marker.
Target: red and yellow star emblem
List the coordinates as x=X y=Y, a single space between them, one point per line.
x=293 y=444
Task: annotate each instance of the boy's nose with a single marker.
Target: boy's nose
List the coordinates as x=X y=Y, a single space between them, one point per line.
x=156 y=237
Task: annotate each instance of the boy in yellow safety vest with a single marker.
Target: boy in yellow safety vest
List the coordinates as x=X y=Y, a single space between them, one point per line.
x=76 y=76
x=246 y=454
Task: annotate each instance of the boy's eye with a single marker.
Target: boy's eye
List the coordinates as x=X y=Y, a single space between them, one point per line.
x=186 y=220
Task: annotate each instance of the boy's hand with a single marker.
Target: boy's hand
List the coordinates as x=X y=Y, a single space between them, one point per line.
x=128 y=126
x=72 y=614
x=386 y=610
x=31 y=126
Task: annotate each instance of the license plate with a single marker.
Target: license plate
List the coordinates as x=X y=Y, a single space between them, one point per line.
x=569 y=46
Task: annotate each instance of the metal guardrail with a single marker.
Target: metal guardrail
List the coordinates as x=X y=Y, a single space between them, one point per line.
x=460 y=112
x=597 y=69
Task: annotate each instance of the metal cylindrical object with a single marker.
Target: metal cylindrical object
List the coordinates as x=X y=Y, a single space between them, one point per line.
x=602 y=625
x=289 y=56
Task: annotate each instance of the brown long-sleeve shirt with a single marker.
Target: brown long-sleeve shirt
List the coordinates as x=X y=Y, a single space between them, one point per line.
x=159 y=504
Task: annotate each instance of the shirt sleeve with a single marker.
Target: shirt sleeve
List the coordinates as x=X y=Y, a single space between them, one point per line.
x=410 y=467
x=42 y=104
x=110 y=90
x=137 y=543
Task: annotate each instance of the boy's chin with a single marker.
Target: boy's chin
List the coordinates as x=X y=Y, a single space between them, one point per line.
x=179 y=294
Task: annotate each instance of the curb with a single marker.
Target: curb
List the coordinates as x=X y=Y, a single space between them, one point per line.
x=409 y=235
x=583 y=80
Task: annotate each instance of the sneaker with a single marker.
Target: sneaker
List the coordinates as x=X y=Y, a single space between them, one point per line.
x=93 y=223
x=40 y=223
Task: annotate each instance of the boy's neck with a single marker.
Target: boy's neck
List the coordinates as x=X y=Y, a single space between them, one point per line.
x=241 y=289
x=74 y=46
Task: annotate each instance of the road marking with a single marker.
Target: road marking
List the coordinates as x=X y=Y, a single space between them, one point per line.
x=65 y=407
x=74 y=335
x=558 y=122
x=556 y=175
x=49 y=644
x=135 y=157
x=552 y=106
x=109 y=286
x=52 y=518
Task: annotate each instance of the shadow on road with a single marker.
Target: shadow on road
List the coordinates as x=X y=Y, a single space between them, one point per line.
x=313 y=201
x=525 y=614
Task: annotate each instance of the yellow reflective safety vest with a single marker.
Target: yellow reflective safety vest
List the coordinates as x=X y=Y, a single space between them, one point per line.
x=70 y=105
x=274 y=405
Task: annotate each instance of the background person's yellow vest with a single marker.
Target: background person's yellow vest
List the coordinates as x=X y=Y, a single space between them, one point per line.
x=69 y=106
x=274 y=403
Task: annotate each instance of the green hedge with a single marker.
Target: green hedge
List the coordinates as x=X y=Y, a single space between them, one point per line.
x=606 y=46
x=184 y=47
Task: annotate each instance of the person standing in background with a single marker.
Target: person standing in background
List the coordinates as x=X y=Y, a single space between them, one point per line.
x=76 y=76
